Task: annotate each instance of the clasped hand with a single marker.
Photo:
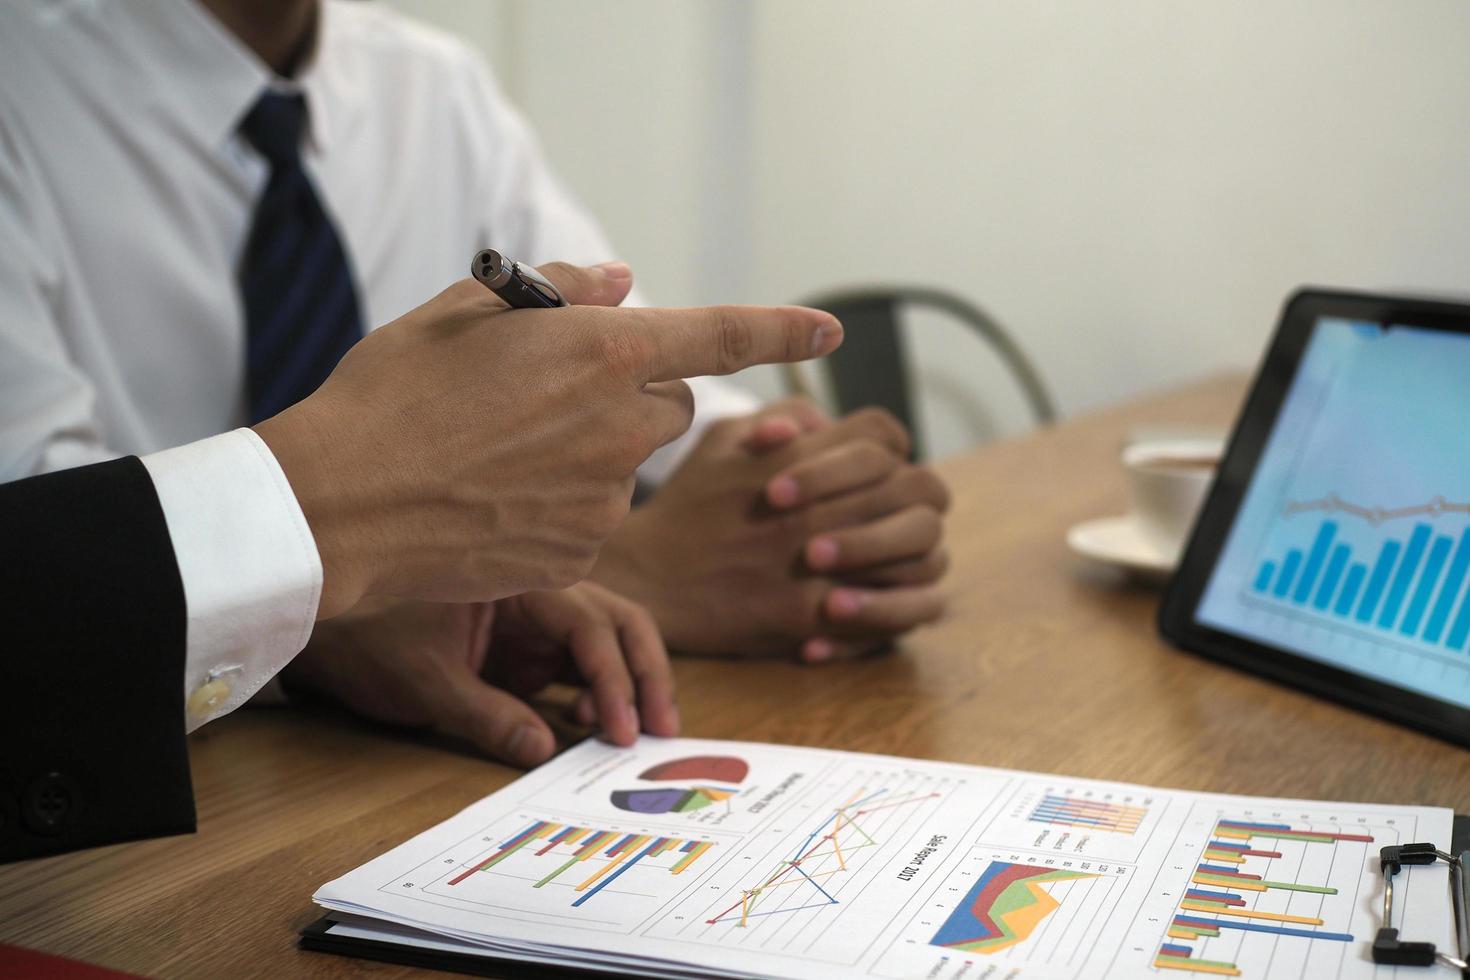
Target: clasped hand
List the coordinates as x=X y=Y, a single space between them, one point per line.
x=786 y=532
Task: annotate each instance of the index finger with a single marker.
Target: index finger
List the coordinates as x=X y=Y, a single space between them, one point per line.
x=778 y=423
x=870 y=423
x=597 y=651
x=648 y=660
x=692 y=343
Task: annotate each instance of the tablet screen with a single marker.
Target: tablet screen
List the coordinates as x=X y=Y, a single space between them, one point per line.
x=1351 y=545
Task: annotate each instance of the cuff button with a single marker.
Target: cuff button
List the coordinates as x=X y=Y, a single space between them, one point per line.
x=207 y=698
x=49 y=804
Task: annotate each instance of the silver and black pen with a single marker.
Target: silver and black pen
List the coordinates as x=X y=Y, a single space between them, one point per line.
x=520 y=285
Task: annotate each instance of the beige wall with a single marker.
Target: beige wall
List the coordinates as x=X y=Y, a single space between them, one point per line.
x=1131 y=186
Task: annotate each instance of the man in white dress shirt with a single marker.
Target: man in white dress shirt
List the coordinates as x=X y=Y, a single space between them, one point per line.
x=127 y=198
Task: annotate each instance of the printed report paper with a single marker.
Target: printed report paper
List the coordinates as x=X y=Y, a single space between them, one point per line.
x=693 y=858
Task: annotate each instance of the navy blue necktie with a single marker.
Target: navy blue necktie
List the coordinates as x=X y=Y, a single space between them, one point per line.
x=301 y=312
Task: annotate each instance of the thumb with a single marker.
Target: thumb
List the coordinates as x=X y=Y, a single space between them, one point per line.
x=595 y=285
x=501 y=725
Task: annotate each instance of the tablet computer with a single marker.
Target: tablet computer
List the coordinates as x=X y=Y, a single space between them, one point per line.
x=1333 y=551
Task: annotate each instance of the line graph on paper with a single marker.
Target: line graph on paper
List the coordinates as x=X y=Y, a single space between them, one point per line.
x=835 y=846
x=814 y=882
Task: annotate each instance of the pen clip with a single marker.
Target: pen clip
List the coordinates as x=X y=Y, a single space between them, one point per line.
x=535 y=280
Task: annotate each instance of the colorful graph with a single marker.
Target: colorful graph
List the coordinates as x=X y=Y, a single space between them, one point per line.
x=610 y=852
x=1075 y=811
x=1003 y=907
x=803 y=880
x=1353 y=525
x=1222 y=894
x=1410 y=587
x=699 y=768
x=713 y=768
x=665 y=800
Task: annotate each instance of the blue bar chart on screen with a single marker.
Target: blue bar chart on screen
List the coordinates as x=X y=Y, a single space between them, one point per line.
x=1406 y=584
x=1352 y=545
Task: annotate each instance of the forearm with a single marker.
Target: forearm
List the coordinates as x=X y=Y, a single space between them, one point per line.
x=92 y=703
x=630 y=565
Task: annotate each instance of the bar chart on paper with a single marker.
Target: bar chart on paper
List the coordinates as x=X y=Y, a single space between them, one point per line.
x=1065 y=818
x=1277 y=892
x=559 y=868
x=1399 y=572
x=1087 y=813
x=609 y=852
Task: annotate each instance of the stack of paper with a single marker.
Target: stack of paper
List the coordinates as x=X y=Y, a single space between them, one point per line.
x=687 y=858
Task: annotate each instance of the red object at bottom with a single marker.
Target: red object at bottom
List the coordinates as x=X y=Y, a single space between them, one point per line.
x=29 y=964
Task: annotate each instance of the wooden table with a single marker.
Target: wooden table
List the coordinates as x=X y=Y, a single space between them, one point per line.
x=1043 y=663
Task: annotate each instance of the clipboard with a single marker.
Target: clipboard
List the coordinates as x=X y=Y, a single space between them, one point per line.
x=319 y=937
x=1388 y=947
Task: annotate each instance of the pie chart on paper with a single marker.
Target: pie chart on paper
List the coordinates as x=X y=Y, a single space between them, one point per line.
x=702 y=771
x=711 y=768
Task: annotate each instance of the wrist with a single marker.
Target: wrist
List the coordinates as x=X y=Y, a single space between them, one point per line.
x=618 y=567
x=305 y=452
x=629 y=565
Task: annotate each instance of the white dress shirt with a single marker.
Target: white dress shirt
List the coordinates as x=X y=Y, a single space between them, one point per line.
x=251 y=573
x=126 y=196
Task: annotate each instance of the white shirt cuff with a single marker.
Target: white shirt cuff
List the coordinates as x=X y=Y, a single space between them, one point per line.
x=714 y=399
x=252 y=576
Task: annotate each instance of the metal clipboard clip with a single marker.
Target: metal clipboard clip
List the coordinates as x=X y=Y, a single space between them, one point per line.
x=1387 y=947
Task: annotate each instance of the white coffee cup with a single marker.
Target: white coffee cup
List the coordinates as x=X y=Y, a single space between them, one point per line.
x=1168 y=479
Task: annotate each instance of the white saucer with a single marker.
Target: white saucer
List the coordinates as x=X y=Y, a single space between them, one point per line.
x=1120 y=542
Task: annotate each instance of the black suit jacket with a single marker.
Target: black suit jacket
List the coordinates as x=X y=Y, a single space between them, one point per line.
x=92 y=648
